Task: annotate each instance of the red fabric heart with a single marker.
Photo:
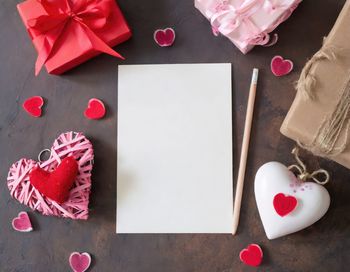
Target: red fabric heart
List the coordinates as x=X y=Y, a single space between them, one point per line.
x=57 y=184
x=164 y=37
x=252 y=255
x=280 y=66
x=33 y=105
x=80 y=262
x=95 y=109
x=284 y=204
x=22 y=223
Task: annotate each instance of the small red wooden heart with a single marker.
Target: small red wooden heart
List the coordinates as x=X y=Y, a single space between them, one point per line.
x=80 y=262
x=57 y=184
x=164 y=37
x=22 y=223
x=284 y=204
x=95 y=109
x=252 y=255
x=33 y=105
x=280 y=66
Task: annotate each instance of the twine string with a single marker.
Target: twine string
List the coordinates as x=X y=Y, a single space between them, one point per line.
x=325 y=142
x=307 y=78
x=304 y=175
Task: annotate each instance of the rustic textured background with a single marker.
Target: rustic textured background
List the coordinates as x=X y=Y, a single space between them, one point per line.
x=323 y=247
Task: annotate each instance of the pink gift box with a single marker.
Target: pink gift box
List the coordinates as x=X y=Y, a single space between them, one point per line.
x=247 y=22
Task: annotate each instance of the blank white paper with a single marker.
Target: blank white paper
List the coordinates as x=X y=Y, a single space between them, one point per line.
x=174 y=172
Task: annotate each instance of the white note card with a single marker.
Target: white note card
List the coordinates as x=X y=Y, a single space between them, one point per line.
x=174 y=172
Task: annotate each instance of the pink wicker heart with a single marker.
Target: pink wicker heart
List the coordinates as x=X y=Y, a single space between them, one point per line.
x=76 y=207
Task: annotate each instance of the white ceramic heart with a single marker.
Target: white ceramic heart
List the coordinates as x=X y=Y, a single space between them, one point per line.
x=313 y=200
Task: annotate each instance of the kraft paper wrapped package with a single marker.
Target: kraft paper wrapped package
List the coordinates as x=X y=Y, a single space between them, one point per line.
x=247 y=22
x=319 y=116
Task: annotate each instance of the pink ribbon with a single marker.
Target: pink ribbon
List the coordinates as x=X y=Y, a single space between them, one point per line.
x=228 y=18
x=225 y=18
x=271 y=5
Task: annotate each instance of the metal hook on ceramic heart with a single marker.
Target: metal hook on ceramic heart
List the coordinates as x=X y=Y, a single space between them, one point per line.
x=304 y=174
x=42 y=152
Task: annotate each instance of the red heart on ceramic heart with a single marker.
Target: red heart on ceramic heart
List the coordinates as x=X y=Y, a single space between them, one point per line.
x=56 y=184
x=95 y=109
x=252 y=255
x=284 y=204
x=33 y=105
x=69 y=144
x=80 y=262
x=280 y=66
x=164 y=37
x=22 y=223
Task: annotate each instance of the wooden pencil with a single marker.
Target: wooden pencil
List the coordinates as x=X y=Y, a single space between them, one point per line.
x=244 y=151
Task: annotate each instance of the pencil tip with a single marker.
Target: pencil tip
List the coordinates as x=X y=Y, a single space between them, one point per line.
x=234 y=231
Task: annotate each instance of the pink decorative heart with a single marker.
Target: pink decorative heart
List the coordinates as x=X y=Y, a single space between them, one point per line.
x=80 y=262
x=76 y=206
x=22 y=223
x=164 y=37
x=280 y=66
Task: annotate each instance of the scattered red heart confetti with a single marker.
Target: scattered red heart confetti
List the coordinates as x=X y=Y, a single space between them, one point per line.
x=57 y=184
x=280 y=66
x=95 y=109
x=252 y=255
x=22 y=223
x=164 y=37
x=284 y=204
x=80 y=262
x=33 y=106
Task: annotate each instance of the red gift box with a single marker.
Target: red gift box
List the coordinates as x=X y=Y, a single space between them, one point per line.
x=68 y=32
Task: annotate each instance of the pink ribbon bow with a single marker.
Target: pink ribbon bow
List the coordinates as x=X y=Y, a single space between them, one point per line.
x=226 y=18
x=83 y=17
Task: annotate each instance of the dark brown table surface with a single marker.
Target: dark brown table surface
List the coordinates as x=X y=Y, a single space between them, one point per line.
x=325 y=246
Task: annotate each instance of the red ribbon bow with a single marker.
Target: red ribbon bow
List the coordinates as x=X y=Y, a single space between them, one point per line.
x=85 y=16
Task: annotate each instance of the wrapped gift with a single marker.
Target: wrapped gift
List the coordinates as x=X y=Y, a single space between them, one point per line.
x=319 y=116
x=67 y=33
x=246 y=22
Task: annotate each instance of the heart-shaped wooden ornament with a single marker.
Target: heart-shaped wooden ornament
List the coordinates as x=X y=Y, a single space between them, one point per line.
x=286 y=204
x=95 y=109
x=22 y=223
x=281 y=66
x=252 y=255
x=33 y=106
x=70 y=144
x=164 y=37
x=80 y=262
